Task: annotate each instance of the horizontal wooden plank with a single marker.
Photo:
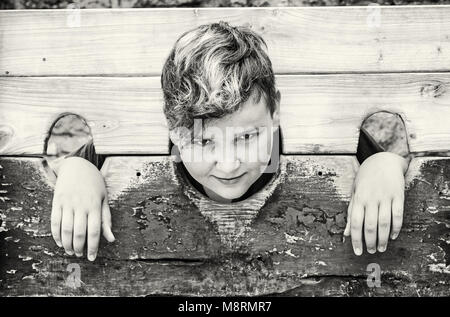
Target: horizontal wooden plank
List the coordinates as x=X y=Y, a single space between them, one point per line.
x=323 y=113
x=165 y=245
x=319 y=113
x=125 y=114
x=136 y=41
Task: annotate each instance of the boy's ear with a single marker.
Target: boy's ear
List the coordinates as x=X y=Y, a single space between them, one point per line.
x=276 y=113
x=174 y=137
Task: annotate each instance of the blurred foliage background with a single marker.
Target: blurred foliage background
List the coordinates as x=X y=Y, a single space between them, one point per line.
x=84 y=4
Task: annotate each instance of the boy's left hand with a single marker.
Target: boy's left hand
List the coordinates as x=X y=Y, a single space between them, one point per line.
x=378 y=197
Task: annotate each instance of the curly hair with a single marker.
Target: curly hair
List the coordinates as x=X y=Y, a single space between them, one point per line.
x=212 y=70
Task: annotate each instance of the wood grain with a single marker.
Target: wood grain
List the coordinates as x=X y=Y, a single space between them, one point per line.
x=323 y=113
x=166 y=246
x=300 y=40
x=319 y=113
x=124 y=114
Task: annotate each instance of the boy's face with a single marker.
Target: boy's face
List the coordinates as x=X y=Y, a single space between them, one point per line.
x=229 y=154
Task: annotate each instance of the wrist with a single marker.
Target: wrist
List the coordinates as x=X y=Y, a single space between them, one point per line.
x=75 y=163
x=403 y=162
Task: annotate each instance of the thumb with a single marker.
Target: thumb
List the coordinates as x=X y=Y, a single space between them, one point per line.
x=349 y=217
x=106 y=221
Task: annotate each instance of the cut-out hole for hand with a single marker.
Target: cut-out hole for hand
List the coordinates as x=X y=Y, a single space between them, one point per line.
x=67 y=134
x=387 y=130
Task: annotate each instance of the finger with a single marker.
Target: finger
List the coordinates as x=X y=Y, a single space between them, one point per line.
x=349 y=215
x=79 y=231
x=67 y=229
x=94 y=225
x=397 y=216
x=356 y=227
x=106 y=221
x=56 y=221
x=384 y=225
x=370 y=227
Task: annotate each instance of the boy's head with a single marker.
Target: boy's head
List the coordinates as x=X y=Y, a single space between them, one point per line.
x=222 y=106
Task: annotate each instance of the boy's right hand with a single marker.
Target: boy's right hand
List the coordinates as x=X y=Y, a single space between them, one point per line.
x=80 y=208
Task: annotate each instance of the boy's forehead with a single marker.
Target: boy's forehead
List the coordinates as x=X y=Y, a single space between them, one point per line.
x=250 y=115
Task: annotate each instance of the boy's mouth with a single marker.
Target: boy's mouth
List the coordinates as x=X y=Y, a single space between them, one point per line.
x=229 y=181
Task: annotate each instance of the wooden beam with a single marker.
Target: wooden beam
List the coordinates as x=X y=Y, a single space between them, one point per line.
x=165 y=245
x=319 y=113
x=323 y=113
x=300 y=40
x=125 y=115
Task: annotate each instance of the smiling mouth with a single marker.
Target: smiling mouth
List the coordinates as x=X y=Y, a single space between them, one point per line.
x=229 y=181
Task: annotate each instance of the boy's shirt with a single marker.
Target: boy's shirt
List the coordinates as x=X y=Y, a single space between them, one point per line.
x=367 y=146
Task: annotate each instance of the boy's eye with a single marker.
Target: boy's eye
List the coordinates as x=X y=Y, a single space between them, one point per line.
x=248 y=136
x=202 y=142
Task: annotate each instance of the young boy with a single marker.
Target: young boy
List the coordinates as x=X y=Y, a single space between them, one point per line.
x=222 y=107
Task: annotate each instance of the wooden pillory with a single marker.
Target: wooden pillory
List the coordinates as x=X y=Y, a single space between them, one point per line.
x=335 y=66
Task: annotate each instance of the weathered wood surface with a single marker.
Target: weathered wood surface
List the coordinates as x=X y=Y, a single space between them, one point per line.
x=125 y=115
x=319 y=113
x=136 y=41
x=166 y=246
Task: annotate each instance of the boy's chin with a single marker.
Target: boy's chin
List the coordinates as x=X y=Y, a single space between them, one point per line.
x=229 y=194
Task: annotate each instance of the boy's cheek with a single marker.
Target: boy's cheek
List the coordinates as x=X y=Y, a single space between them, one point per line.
x=266 y=153
x=196 y=169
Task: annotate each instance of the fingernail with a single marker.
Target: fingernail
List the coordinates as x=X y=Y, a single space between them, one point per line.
x=79 y=254
x=69 y=252
x=394 y=236
x=91 y=257
x=382 y=248
x=358 y=251
x=59 y=244
x=371 y=251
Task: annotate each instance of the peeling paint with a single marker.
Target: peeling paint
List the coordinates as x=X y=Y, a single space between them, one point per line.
x=25 y=258
x=292 y=239
x=288 y=252
x=134 y=256
x=442 y=223
x=35 y=265
x=439 y=268
x=432 y=209
x=432 y=257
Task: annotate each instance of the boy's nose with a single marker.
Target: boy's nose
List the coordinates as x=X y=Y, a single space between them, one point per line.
x=227 y=168
x=227 y=161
